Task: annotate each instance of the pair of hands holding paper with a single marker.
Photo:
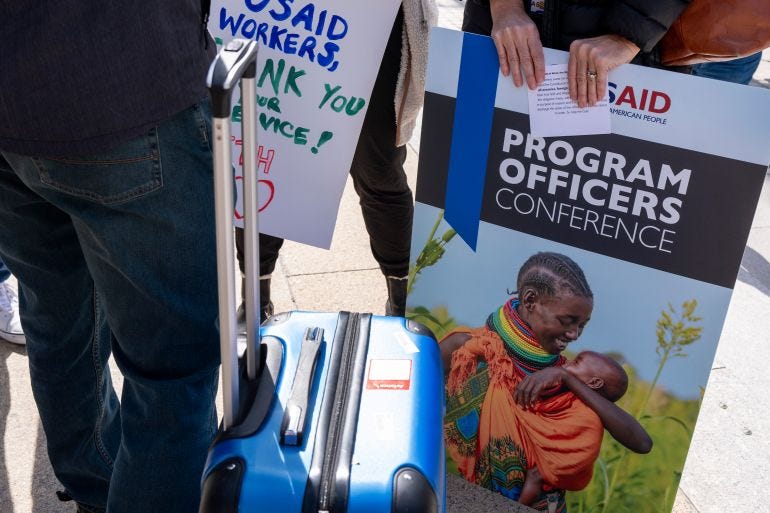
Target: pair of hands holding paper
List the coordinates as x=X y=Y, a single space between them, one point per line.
x=521 y=54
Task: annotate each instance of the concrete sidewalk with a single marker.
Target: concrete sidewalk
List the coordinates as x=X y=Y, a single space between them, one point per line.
x=729 y=461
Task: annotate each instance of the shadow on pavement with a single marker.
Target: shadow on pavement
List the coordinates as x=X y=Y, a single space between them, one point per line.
x=755 y=271
x=6 y=350
x=761 y=82
x=43 y=483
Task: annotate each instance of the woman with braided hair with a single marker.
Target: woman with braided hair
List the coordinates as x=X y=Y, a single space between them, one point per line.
x=516 y=408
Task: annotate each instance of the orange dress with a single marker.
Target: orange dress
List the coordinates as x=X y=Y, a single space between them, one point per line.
x=494 y=441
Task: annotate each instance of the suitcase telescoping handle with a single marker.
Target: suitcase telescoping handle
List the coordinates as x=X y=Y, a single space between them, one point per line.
x=235 y=62
x=295 y=415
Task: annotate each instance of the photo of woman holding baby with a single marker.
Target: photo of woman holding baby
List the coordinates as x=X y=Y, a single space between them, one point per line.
x=545 y=347
x=522 y=420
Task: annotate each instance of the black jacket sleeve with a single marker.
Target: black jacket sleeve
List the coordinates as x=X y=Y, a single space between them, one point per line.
x=643 y=22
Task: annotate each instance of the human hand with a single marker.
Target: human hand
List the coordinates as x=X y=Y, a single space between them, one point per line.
x=590 y=61
x=537 y=384
x=518 y=43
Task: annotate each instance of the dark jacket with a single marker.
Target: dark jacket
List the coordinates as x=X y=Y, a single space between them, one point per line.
x=643 y=22
x=78 y=77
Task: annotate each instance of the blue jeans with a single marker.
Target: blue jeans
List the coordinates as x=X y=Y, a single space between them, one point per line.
x=738 y=71
x=115 y=253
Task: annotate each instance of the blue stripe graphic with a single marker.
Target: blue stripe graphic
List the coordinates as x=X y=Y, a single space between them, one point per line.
x=474 y=108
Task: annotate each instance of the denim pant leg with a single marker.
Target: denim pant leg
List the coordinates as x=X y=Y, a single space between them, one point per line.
x=68 y=340
x=739 y=71
x=143 y=214
x=377 y=169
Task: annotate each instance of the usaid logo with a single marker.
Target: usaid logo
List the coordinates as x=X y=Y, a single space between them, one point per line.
x=656 y=102
x=641 y=104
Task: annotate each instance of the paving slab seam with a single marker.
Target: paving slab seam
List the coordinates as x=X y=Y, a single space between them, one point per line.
x=689 y=502
x=321 y=273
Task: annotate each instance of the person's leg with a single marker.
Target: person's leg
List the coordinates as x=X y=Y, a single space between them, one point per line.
x=739 y=71
x=143 y=214
x=269 y=247
x=68 y=339
x=380 y=181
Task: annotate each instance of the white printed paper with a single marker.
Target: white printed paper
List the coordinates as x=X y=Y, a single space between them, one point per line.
x=552 y=113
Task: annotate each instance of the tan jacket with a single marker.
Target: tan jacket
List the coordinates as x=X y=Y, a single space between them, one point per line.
x=419 y=17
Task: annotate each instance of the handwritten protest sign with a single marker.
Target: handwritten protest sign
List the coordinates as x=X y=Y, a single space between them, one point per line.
x=316 y=66
x=655 y=216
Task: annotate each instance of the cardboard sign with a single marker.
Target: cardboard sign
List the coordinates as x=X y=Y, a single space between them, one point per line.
x=656 y=214
x=316 y=66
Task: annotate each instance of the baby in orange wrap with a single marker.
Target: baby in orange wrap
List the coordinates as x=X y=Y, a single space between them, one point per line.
x=546 y=408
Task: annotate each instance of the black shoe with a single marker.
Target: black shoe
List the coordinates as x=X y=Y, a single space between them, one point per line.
x=395 y=306
x=264 y=313
x=82 y=508
x=266 y=306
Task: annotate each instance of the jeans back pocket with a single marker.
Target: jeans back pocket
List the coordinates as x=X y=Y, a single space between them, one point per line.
x=124 y=173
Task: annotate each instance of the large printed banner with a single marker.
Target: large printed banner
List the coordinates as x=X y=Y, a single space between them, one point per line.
x=656 y=214
x=315 y=70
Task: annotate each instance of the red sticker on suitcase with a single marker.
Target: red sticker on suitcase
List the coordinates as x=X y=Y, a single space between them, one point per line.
x=389 y=375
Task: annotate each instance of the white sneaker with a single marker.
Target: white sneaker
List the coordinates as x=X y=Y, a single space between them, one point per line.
x=10 y=324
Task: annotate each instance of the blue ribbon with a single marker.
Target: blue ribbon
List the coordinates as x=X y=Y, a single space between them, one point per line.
x=474 y=108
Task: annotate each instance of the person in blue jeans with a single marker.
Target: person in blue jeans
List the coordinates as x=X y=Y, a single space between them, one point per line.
x=106 y=205
x=10 y=323
x=739 y=71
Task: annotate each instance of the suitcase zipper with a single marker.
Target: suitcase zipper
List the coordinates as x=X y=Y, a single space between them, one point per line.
x=328 y=469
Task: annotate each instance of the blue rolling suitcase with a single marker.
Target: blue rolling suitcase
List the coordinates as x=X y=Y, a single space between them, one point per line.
x=325 y=412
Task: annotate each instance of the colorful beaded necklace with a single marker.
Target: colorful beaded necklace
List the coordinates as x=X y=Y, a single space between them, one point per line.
x=519 y=340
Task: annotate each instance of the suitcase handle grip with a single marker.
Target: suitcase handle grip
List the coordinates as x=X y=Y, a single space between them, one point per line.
x=235 y=61
x=295 y=415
